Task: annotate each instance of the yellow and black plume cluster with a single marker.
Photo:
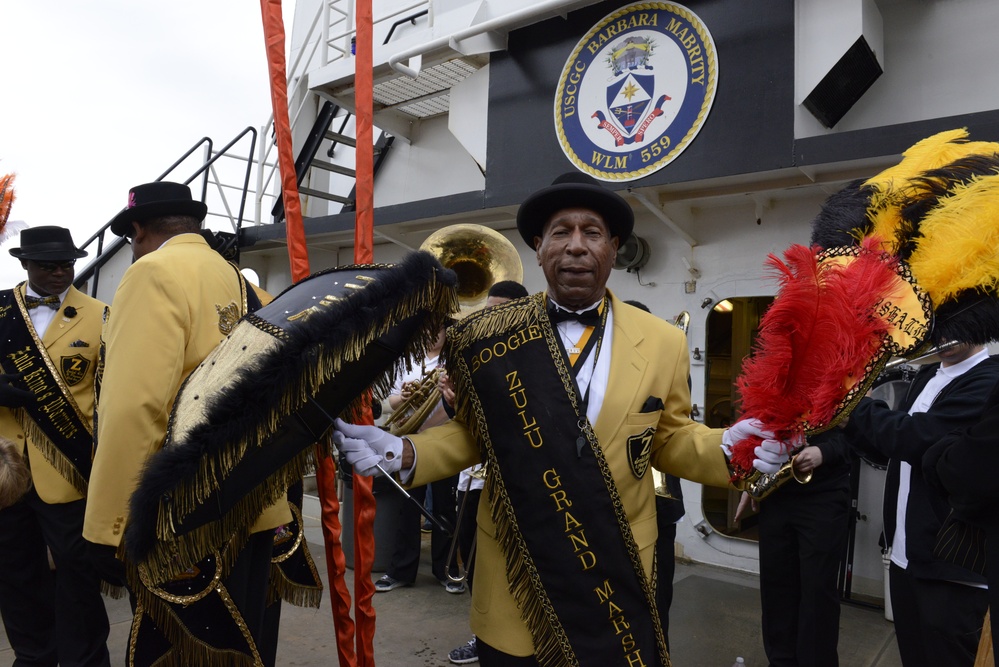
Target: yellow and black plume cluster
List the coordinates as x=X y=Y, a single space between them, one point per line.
x=938 y=211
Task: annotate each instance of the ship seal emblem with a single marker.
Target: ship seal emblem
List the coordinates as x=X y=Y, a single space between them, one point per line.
x=636 y=90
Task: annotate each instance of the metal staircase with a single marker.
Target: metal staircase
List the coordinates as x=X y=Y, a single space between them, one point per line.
x=321 y=132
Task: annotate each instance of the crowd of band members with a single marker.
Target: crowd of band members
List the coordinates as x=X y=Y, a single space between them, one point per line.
x=164 y=322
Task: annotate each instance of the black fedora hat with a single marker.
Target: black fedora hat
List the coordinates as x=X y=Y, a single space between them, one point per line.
x=155 y=200
x=47 y=243
x=574 y=190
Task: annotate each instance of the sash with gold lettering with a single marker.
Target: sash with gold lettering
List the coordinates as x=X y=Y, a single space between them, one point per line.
x=571 y=559
x=53 y=422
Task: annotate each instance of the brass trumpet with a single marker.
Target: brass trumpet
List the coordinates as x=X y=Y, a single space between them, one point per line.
x=409 y=415
x=760 y=485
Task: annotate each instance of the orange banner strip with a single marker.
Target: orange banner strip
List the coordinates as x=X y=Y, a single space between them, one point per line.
x=298 y=253
x=364 y=500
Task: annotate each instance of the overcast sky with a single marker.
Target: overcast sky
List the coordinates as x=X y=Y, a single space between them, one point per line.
x=102 y=95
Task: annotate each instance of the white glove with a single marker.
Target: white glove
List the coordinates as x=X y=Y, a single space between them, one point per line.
x=770 y=456
x=741 y=430
x=365 y=447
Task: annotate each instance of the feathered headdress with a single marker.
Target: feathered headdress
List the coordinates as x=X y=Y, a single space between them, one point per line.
x=837 y=318
x=7 y=197
x=931 y=221
x=938 y=211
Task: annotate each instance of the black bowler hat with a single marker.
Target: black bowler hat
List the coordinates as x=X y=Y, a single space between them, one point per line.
x=574 y=190
x=155 y=200
x=47 y=244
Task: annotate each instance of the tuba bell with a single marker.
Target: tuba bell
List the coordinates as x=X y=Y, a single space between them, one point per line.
x=479 y=256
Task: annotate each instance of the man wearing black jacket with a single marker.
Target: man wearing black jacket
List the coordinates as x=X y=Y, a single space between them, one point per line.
x=963 y=466
x=938 y=607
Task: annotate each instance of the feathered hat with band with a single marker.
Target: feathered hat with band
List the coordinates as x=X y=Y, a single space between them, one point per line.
x=938 y=212
x=900 y=262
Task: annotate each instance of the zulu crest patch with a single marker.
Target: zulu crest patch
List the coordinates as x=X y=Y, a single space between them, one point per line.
x=636 y=90
x=74 y=368
x=640 y=451
x=228 y=317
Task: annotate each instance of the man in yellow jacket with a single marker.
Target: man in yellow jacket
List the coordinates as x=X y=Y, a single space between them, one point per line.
x=568 y=397
x=51 y=333
x=176 y=302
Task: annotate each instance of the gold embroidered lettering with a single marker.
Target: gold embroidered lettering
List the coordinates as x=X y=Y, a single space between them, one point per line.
x=619 y=622
x=634 y=658
x=604 y=592
x=561 y=502
x=574 y=530
x=578 y=541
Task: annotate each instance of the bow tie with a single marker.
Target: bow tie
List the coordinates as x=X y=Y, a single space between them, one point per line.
x=34 y=301
x=589 y=318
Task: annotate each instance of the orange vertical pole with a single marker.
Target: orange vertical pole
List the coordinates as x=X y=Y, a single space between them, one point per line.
x=298 y=258
x=364 y=502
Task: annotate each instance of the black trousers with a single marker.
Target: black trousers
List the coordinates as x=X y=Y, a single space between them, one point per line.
x=406 y=551
x=491 y=657
x=665 y=569
x=802 y=540
x=936 y=622
x=50 y=617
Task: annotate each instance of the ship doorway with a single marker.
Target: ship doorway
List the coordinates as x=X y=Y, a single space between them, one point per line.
x=731 y=329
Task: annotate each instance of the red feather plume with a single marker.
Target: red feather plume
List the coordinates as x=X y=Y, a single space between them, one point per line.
x=815 y=342
x=6 y=198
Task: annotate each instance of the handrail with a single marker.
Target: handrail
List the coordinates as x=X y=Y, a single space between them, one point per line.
x=249 y=166
x=411 y=19
x=105 y=250
x=190 y=151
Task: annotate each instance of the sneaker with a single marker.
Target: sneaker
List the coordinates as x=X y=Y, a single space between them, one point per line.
x=387 y=583
x=454 y=587
x=465 y=653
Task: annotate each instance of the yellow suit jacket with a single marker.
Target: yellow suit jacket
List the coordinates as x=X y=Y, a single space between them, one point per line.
x=649 y=357
x=168 y=306
x=84 y=329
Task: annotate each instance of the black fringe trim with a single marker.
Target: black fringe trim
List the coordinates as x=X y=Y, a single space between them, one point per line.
x=249 y=412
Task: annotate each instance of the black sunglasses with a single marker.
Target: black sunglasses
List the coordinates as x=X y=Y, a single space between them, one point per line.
x=52 y=267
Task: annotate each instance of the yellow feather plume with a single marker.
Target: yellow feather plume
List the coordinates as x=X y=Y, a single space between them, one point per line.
x=929 y=153
x=892 y=185
x=958 y=248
